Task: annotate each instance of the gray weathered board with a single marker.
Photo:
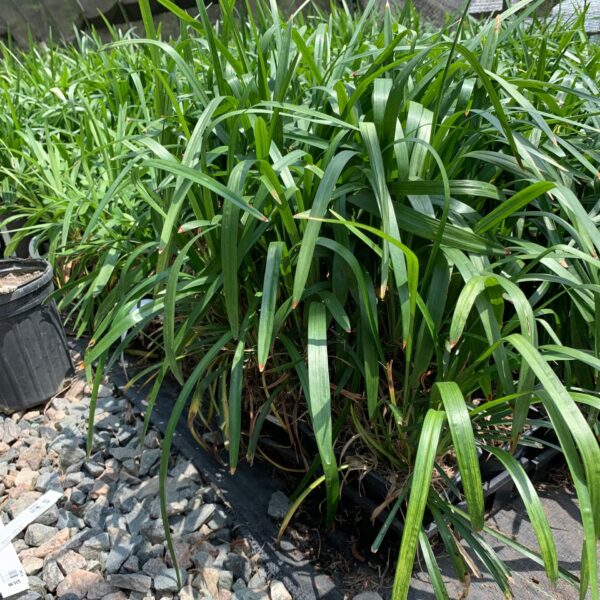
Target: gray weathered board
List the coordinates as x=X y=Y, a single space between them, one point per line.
x=37 y=17
x=566 y=11
x=570 y=9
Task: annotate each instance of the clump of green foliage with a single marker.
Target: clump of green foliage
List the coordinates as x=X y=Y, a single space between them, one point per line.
x=386 y=231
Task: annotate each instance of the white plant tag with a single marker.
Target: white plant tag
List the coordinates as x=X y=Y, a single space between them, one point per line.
x=13 y=578
x=31 y=513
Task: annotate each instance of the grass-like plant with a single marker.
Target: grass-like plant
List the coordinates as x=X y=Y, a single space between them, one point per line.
x=353 y=221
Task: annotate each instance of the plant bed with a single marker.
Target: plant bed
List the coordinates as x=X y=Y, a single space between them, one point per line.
x=384 y=232
x=250 y=489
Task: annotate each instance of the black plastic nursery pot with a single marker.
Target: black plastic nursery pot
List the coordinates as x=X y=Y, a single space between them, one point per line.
x=34 y=356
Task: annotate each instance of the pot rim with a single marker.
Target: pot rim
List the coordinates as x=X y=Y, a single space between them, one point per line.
x=24 y=265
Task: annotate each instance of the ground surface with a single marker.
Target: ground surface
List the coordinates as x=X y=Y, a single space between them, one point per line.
x=104 y=540
x=529 y=580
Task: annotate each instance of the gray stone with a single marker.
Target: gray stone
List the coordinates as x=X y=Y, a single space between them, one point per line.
x=131 y=565
x=64 y=440
x=101 y=441
x=187 y=493
x=68 y=519
x=184 y=470
x=124 y=498
x=83 y=536
x=107 y=422
x=71 y=456
x=94 y=564
x=145 y=550
x=225 y=580
x=114 y=519
x=367 y=596
x=103 y=590
x=153 y=567
x=48 y=481
x=152 y=439
x=11 y=432
x=36 y=585
x=52 y=575
x=125 y=434
x=118 y=595
x=279 y=505
x=153 y=531
x=37 y=534
x=258 y=580
x=120 y=552
x=223 y=552
x=94 y=469
x=48 y=432
x=209 y=494
x=104 y=394
x=19 y=545
x=78 y=497
x=10 y=456
x=247 y=594
x=86 y=485
x=94 y=515
x=147 y=488
x=175 y=507
x=136 y=519
x=194 y=520
x=240 y=584
x=135 y=582
x=148 y=459
x=166 y=581
x=49 y=517
x=73 y=479
x=30 y=596
x=222 y=535
x=238 y=565
x=101 y=541
x=94 y=557
x=219 y=519
x=203 y=559
x=122 y=454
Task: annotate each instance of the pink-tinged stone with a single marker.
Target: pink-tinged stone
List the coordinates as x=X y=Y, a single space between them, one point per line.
x=208 y=578
x=52 y=546
x=71 y=561
x=78 y=582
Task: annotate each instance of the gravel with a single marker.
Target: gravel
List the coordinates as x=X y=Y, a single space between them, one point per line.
x=104 y=540
x=279 y=505
x=37 y=534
